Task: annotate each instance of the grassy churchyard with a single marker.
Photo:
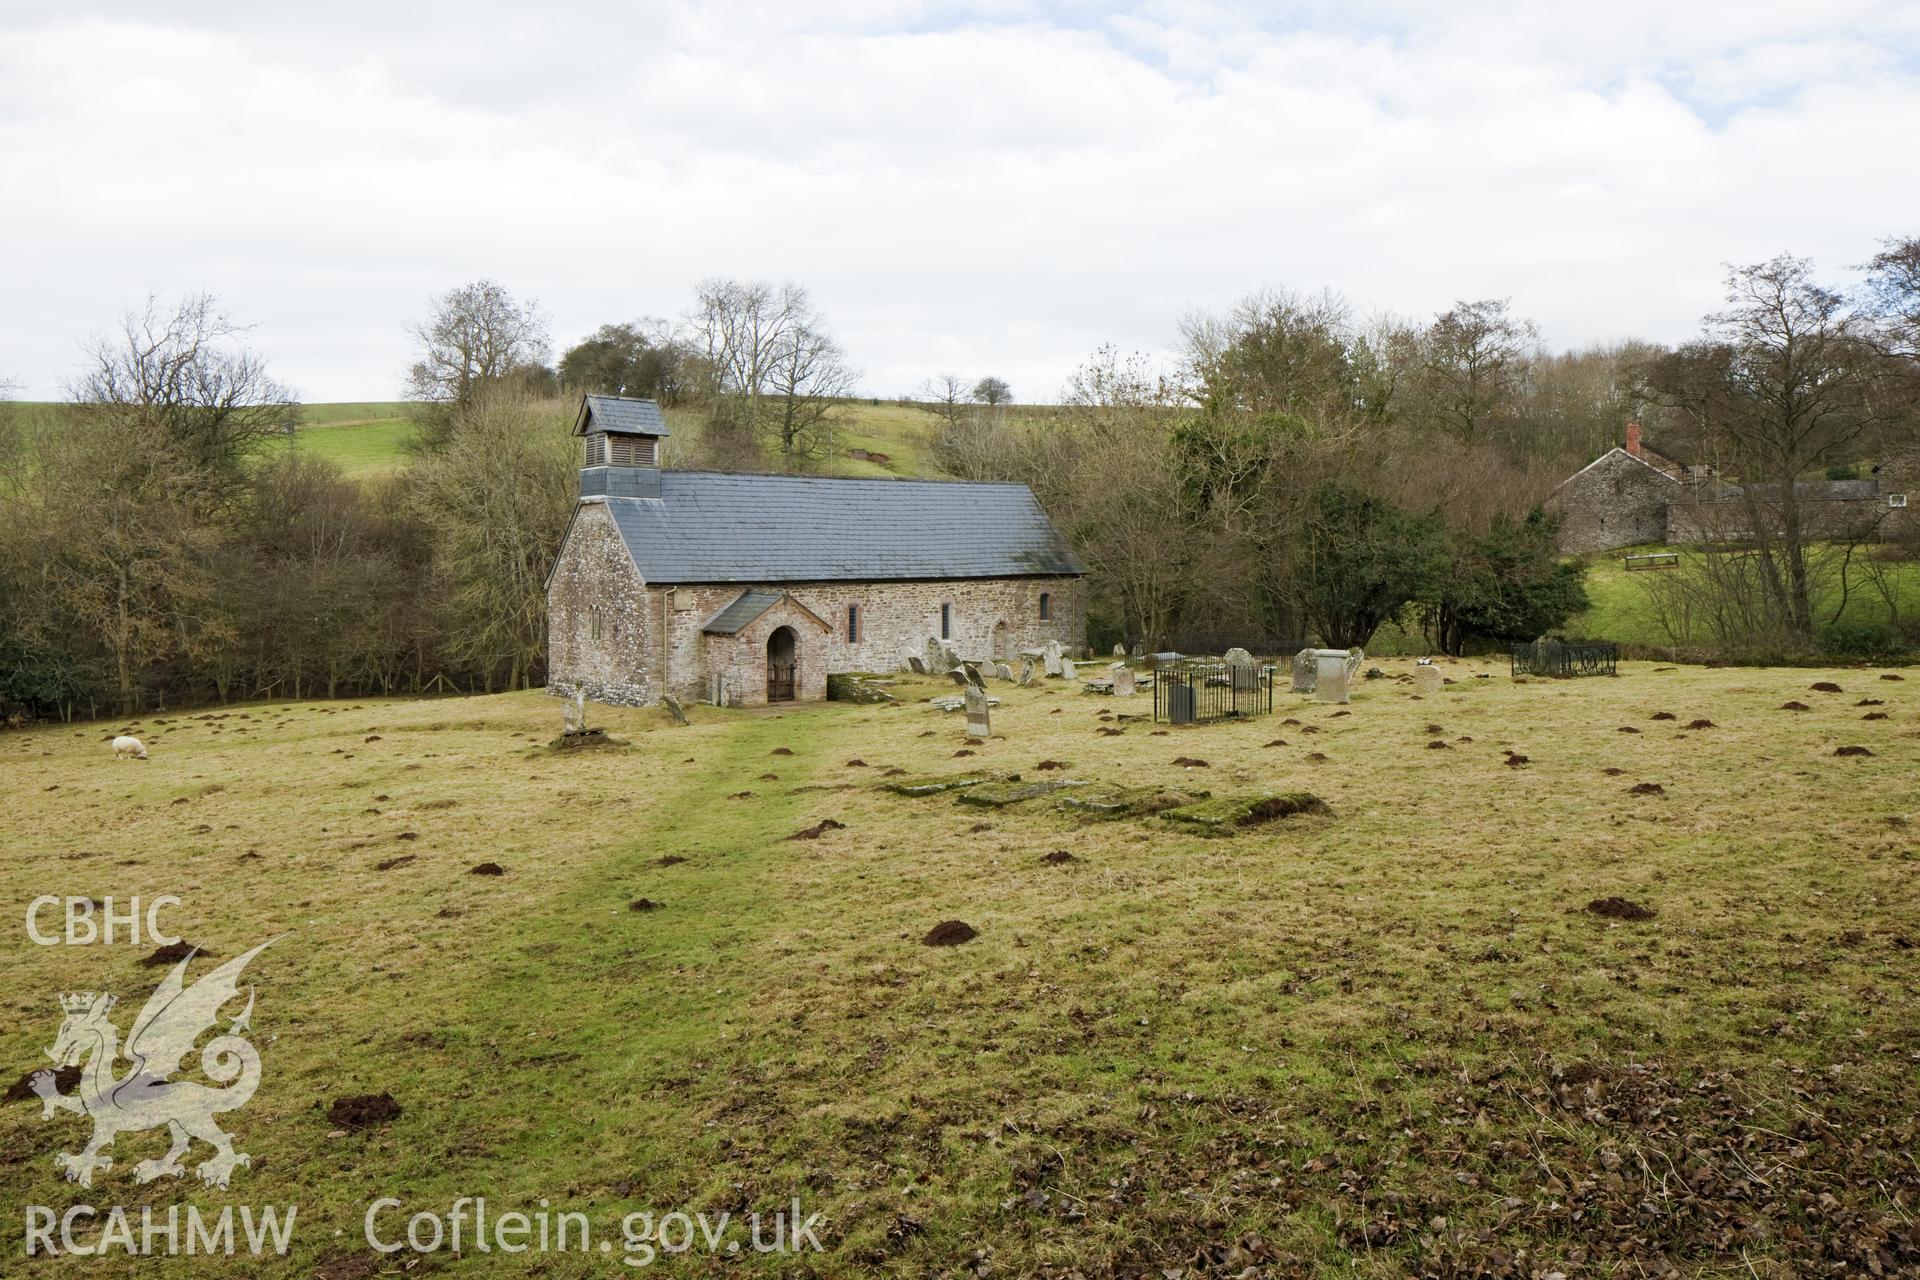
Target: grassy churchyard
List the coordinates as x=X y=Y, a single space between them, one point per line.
x=1393 y=1041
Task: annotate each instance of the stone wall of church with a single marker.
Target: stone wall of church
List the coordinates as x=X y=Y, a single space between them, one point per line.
x=602 y=623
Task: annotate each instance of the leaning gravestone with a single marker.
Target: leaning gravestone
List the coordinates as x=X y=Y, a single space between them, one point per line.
x=1330 y=681
x=917 y=663
x=674 y=709
x=1066 y=669
x=1001 y=671
x=1428 y=679
x=1305 y=668
x=973 y=675
x=1354 y=658
x=1053 y=657
x=1122 y=680
x=977 y=725
x=1026 y=671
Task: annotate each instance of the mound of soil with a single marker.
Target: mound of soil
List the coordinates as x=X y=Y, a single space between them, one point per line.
x=1438 y=744
x=1664 y=715
x=961 y=754
x=671 y=860
x=1700 y=724
x=1888 y=675
x=1309 y=728
x=584 y=740
x=1824 y=686
x=1190 y=762
x=1626 y=728
x=1874 y=715
x=1336 y=715
x=950 y=933
x=741 y=795
x=1277 y=742
x=1111 y=733
x=644 y=904
x=1316 y=757
x=1621 y=909
x=856 y=764
x=487 y=869
x=818 y=829
x=769 y=777
x=1286 y=806
x=1851 y=751
x=1515 y=760
x=1871 y=702
x=1434 y=730
x=1158 y=733
x=894 y=773
x=66 y=1079
x=781 y=751
x=1646 y=789
x=363 y=1111
x=407 y=835
x=1059 y=857
x=1612 y=772
x=978 y=827
x=1464 y=738
x=174 y=953
x=390 y=863
x=1795 y=706
x=1046 y=765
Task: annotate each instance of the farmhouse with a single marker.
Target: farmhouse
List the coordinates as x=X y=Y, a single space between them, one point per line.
x=744 y=589
x=1632 y=495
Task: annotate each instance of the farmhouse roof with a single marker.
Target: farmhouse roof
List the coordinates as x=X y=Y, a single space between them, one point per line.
x=620 y=416
x=747 y=606
x=711 y=527
x=1609 y=457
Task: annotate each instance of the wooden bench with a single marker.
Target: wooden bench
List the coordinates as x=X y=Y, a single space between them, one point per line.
x=1653 y=560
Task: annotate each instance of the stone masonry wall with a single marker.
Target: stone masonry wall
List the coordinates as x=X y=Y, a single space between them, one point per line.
x=896 y=618
x=736 y=665
x=1729 y=520
x=595 y=573
x=1618 y=502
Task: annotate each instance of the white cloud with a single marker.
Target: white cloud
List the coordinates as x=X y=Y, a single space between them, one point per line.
x=989 y=190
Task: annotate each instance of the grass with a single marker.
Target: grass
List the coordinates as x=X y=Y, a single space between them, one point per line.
x=1358 y=1041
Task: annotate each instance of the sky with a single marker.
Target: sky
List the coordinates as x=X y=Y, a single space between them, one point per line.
x=993 y=188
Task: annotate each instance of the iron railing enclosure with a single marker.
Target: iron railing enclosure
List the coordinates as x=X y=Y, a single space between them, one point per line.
x=1565 y=659
x=1188 y=692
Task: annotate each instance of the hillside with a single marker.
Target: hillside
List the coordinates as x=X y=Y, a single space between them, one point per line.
x=370 y=439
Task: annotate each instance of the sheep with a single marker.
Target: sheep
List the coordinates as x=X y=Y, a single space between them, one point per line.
x=124 y=746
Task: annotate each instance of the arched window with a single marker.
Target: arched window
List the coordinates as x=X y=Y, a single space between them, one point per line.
x=1046 y=606
x=946 y=622
x=853 y=624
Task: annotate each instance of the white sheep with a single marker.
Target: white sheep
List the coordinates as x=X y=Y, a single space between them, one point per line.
x=124 y=746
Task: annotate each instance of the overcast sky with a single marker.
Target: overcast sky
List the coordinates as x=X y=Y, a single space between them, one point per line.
x=987 y=188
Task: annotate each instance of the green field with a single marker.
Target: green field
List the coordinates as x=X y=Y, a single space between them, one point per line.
x=1390 y=1041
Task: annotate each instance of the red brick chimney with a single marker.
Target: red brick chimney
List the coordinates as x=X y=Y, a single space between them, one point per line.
x=1633 y=438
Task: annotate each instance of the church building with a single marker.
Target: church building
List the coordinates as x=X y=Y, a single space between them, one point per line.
x=747 y=589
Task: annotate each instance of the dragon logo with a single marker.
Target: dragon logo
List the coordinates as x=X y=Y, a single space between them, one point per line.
x=145 y=1097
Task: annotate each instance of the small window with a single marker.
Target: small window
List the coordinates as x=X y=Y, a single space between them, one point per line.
x=1896 y=499
x=1046 y=606
x=853 y=624
x=946 y=622
x=593 y=623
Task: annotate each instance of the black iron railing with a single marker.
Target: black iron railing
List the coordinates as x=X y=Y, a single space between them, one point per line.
x=1565 y=658
x=1203 y=692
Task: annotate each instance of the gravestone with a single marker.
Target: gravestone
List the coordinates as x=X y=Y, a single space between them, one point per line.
x=977 y=724
x=1428 y=679
x=1053 y=657
x=1305 y=668
x=1122 y=680
x=1330 y=680
x=1001 y=671
x=973 y=676
x=1119 y=651
x=917 y=663
x=1354 y=658
x=1239 y=657
x=959 y=676
x=1066 y=669
x=576 y=713
x=1139 y=650
x=674 y=709
x=1026 y=671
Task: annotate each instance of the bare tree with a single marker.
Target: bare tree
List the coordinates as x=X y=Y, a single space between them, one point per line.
x=945 y=396
x=1472 y=367
x=1784 y=380
x=475 y=335
x=773 y=367
x=185 y=374
x=992 y=392
x=1894 y=282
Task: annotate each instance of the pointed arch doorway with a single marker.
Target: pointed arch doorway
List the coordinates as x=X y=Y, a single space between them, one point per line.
x=783 y=654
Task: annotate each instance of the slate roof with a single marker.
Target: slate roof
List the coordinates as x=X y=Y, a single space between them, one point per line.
x=620 y=416
x=747 y=606
x=711 y=527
